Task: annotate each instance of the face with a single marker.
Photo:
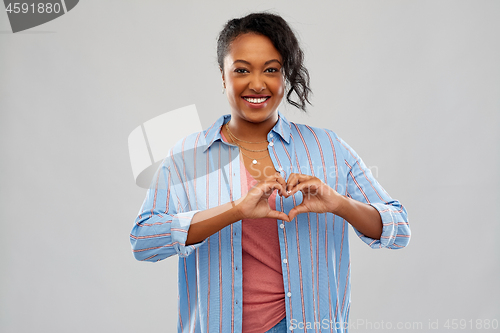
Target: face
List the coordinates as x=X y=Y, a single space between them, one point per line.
x=253 y=78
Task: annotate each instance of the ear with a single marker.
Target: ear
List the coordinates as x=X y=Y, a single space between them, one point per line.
x=222 y=73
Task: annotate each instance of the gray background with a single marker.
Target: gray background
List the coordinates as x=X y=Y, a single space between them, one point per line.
x=413 y=86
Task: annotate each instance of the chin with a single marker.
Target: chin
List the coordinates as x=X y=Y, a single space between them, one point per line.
x=256 y=115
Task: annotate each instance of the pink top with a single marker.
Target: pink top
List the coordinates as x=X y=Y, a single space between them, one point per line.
x=263 y=289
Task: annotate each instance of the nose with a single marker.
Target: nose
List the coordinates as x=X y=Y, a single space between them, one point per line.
x=257 y=83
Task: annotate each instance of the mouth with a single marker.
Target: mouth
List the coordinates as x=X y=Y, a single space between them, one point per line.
x=256 y=100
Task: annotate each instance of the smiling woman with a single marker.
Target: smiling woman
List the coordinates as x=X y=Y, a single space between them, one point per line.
x=271 y=251
x=255 y=85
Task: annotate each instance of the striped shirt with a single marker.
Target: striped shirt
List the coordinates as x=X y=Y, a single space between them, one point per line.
x=202 y=171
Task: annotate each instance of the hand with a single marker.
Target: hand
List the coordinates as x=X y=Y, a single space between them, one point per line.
x=256 y=202
x=317 y=197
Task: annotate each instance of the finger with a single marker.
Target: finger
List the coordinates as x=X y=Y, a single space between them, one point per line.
x=295 y=179
x=296 y=211
x=312 y=187
x=277 y=178
x=305 y=186
x=274 y=214
x=279 y=187
x=274 y=176
x=282 y=183
x=268 y=187
x=291 y=182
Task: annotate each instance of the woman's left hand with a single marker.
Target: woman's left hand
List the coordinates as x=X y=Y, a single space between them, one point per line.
x=317 y=197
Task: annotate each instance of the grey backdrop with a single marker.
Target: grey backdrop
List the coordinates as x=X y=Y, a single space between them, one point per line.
x=413 y=86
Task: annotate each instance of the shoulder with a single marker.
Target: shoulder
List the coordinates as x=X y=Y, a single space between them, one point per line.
x=191 y=141
x=310 y=133
x=323 y=138
x=187 y=147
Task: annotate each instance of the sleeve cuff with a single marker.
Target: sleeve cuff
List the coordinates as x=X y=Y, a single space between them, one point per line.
x=389 y=228
x=179 y=231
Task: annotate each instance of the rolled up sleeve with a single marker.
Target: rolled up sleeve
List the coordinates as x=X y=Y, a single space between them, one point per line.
x=161 y=229
x=179 y=230
x=362 y=186
x=395 y=227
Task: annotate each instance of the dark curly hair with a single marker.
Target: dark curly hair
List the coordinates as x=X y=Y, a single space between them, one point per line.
x=281 y=35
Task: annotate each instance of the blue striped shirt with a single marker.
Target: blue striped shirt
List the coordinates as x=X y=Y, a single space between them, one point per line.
x=202 y=171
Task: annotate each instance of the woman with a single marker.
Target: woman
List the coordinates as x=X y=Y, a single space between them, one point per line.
x=257 y=206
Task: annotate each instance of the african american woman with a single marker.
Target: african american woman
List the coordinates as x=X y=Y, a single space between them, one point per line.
x=257 y=207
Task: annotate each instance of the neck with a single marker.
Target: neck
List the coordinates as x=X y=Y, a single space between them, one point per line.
x=252 y=131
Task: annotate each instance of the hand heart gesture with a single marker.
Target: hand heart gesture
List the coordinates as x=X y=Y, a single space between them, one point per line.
x=256 y=202
x=317 y=197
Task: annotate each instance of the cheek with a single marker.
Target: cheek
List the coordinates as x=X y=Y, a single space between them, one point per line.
x=234 y=87
x=279 y=87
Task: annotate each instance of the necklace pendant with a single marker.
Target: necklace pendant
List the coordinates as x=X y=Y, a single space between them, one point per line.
x=254 y=161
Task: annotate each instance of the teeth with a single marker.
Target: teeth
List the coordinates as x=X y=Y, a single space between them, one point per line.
x=255 y=100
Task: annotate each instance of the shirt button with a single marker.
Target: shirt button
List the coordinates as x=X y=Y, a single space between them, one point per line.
x=291 y=328
x=271 y=143
x=236 y=267
x=282 y=225
x=236 y=301
x=289 y=294
x=280 y=169
x=285 y=261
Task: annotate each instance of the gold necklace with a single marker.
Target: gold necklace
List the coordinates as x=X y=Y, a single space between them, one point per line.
x=233 y=137
x=229 y=131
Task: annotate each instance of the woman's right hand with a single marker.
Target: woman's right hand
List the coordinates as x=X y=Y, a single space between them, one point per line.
x=255 y=204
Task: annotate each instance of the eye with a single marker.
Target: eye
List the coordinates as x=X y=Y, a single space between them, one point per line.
x=272 y=70
x=241 y=70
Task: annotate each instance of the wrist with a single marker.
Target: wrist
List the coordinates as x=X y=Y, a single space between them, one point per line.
x=236 y=209
x=341 y=205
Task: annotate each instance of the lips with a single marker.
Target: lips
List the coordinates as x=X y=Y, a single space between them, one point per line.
x=256 y=99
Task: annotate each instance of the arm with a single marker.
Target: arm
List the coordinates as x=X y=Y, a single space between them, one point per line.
x=161 y=229
x=363 y=217
x=208 y=222
x=394 y=230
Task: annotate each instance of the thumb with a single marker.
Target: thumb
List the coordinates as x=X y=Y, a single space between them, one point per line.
x=296 y=211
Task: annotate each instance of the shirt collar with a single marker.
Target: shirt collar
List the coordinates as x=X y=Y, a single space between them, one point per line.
x=282 y=128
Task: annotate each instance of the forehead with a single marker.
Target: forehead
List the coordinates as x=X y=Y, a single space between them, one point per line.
x=253 y=48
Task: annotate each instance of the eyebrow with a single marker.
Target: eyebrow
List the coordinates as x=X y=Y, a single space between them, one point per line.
x=266 y=63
